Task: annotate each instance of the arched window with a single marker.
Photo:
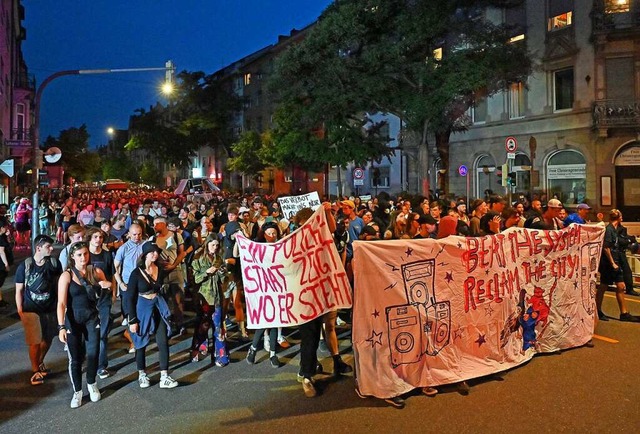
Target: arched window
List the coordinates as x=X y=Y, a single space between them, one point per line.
x=567 y=176
x=485 y=176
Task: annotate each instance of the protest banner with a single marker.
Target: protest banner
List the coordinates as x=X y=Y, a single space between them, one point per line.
x=293 y=280
x=290 y=205
x=431 y=312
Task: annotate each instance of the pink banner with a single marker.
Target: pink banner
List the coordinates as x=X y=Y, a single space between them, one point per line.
x=431 y=312
x=294 y=280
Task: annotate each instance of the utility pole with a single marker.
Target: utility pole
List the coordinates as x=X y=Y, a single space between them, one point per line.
x=169 y=69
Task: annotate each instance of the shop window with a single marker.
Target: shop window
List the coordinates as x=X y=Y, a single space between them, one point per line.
x=567 y=176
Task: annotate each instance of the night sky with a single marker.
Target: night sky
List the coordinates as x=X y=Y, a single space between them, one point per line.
x=198 y=35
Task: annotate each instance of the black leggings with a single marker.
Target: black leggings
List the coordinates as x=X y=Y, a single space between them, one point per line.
x=79 y=337
x=273 y=338
x=163 y=345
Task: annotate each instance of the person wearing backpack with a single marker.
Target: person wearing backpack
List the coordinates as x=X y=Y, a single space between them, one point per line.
x=36 y=281
x=6 y=257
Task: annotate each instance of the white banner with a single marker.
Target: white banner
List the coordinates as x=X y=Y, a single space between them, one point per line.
x=294 y=280
x=290 y=205
x=431 y=312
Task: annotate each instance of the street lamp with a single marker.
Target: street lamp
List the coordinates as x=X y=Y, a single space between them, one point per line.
x=110 y=131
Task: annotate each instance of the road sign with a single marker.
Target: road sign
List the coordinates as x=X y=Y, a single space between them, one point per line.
x=358 y=173
x=511 y=155
x=358 y=182
x=462 y=170
x=7 y=167
x=511 y=144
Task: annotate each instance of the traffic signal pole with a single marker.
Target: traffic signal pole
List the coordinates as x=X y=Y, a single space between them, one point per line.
x=169 y=69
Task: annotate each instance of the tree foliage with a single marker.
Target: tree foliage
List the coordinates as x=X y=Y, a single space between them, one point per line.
x=78 y=161
x=198 y=115
x=365 y=56
x=246 y=151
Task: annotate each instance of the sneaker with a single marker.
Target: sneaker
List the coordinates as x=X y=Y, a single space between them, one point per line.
x=43 y=370
x=602 y=316
x=308 y=388
x=143 y=381
x=275 y=362
x=283 y=342
x=267 y=343
x=463 y=388
x=103 y=373
x=396 y=402
x=323 y=347
x=76 y=400
x=299 y=378
x=37 y=379
x=132 y=349
x=429 y=391
x=167 y=382
x=94 y=392
x=125 y=322
x=627 y=317
x=319 y=370
x=251 y=356
x=219 y=364
x=340 y=322
x=340 y=368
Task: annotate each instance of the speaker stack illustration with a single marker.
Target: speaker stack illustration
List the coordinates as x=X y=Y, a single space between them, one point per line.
x=423 y=325
x=589 y=260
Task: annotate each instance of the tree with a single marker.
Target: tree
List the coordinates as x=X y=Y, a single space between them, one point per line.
x=198 y=115
x=366 y=56
x=246 y=151
x=78 y=161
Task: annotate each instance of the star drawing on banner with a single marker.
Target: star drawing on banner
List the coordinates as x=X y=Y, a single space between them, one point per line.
x=376 y=338
x=375 y=313
x=487 y=271
x=575 y=285
x=481 y=340
x=567 y=319
x=457 y=333
x=409 y=251
x=393 y=267
x=448 y=276
x=459 y=245
x=488 y=310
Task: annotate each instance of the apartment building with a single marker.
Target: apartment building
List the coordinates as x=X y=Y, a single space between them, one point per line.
x=572 y=130
x=17 y=89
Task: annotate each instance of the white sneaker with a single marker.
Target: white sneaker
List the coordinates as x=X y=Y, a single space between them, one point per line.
x=340 y=322
x=167 y=382
x=94 y=392
x=125 y=322
x=76 y=400
x=143 y=381
x=267 y=346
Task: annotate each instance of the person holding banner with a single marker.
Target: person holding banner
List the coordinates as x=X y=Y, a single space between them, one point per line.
x=268 y=233
x=234 y=282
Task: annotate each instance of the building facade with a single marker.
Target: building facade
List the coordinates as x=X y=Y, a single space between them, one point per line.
x=17 y=89
x=572 y=130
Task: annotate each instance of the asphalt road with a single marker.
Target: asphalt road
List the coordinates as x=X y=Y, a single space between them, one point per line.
x=579 y=390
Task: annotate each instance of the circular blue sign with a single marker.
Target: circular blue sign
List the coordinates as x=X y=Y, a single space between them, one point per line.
x=462 y=170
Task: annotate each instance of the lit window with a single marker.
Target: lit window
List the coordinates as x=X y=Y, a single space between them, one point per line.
x=437 y=54
x=516 y=38
x=616 y=6
x=516 y=100
x=560 y=21
x=247 y=79
x=563 y=89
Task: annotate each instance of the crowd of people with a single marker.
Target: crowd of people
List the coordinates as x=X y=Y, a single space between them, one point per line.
x=155 y=251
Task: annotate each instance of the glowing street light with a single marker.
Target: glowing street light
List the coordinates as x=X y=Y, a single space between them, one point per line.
x=167 y=88
x=110 y=131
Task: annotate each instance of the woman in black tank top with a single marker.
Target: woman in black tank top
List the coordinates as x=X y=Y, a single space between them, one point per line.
x=79 y=288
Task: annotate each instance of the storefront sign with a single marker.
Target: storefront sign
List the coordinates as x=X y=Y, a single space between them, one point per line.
x=567 y=171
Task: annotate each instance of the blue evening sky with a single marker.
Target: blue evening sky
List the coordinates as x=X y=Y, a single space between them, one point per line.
x=198 y=35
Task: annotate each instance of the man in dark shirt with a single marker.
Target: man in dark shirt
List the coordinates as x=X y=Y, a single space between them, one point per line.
x=36 y=296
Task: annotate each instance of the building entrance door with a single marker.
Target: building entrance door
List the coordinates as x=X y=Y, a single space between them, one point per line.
x=628 y=182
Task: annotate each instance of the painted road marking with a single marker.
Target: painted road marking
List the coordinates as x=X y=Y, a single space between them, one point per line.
x=606 y=339
x=632 y=300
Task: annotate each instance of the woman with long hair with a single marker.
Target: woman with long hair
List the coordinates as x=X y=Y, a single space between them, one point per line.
x=148 y=314
x=209 y=273
x=79 y=289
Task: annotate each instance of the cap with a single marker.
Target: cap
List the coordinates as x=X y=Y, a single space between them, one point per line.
x=448 y=226
x=243 y=209
x=149 y=247
x=348 y=203
x=554 y=203
x=583 y=206
x=427 y=219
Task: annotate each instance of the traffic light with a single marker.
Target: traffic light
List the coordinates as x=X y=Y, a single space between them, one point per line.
x=505 y=168
x=512 y=179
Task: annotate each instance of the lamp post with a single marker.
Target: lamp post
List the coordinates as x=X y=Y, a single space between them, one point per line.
x=169 y=69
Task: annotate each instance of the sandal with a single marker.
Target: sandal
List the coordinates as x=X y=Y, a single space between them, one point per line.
x=37 y=378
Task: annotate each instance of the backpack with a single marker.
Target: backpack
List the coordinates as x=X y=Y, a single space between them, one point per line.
x=39 y=301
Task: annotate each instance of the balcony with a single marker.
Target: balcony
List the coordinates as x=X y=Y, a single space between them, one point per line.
x=611 y=19
x=20 y=137
x=622 y=113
